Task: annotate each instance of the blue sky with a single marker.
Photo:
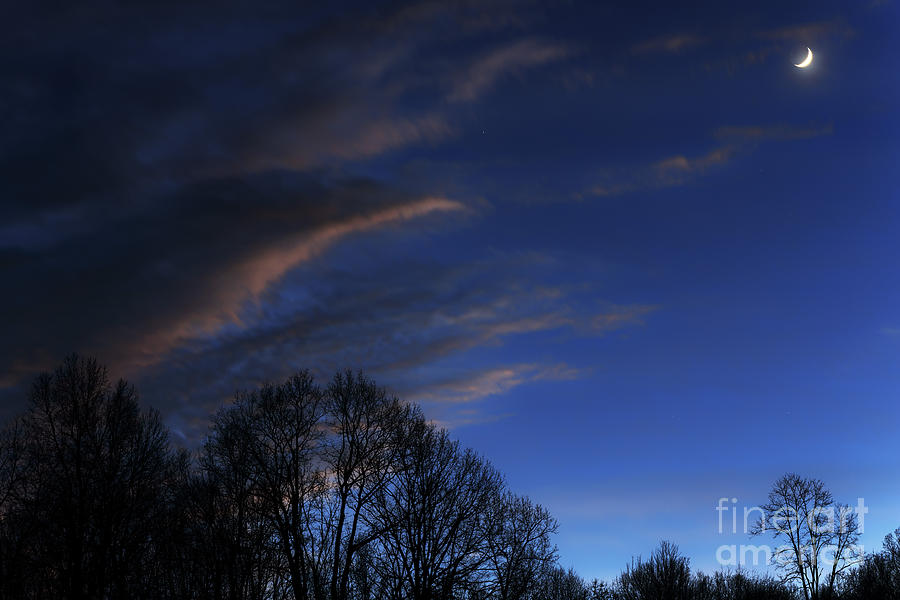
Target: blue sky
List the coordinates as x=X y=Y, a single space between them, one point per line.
x=629 y=252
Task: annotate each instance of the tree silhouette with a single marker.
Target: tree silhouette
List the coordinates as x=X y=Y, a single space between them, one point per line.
x=436 y=543
x=518 y=545
x=89 y=473
x=802 y=513
x=879 y=574
x=336 y=493
x=666 y=575
x=362 y=459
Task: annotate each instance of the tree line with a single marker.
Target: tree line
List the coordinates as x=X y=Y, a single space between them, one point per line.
x=299 y=491
x=302 y=491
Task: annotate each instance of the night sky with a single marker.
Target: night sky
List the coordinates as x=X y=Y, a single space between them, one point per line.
x=628 y=252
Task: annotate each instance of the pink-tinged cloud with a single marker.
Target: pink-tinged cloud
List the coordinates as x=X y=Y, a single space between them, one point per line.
x=680 y=169
x=411 y=328
x=511 y=59
x=667 y=172
x=469 y=387
x=234 y=285
x=340 y=136
x=260 y=271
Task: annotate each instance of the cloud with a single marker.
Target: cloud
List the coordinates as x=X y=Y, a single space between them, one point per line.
x=192 y=199
x=141 y=285
x=602 y=190
x=484 y=72
x=743 y=48
x=808 y=32
x=617 y=317
x=257 y=272
x=774 y=132
x=160 y=176
x=463 y=418
x=414 y=326
x=470 y=387
x=681 y=169
x=672 y=43
x=680 y=164
x=755 y=48
x=672 y=171
x=246 y=92
x=349 y=136
x=249 y=276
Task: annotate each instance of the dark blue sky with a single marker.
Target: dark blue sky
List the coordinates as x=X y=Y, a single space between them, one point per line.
x=629 y=252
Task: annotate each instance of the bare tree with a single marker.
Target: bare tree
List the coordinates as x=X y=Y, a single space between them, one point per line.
x=666 y=575
x=518 y=545
x=820 y=537
x=557 y=583
x=11 y=464
x=263 y=464
x=234 y=537
x=12 y=493
x=362 y=458
x=740 y=585
x=92 y=472
x=600 y=590
x=436 y=542
x=287 y=434
x=298 y=492
x=878 y=576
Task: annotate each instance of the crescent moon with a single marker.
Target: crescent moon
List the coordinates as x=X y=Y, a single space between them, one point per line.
x=806 y=61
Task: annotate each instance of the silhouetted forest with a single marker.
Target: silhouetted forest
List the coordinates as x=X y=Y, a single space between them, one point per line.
x=300 y=491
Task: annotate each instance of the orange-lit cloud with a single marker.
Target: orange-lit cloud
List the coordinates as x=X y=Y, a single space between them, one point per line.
x=696 y=164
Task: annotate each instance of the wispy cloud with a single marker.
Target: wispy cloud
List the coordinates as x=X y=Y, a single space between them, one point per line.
x=672 y=171
x=618 y=317
x=681 y=164
x=212 y=198
x=510 y=59
x=680 y=169
x=757 y=47
x=411 y=325
x=246 y=279
x=463 y=396
x=740 y=48
x=672 y=43
x=772 y=132
x=191 y=264
x=202 y=166
x=808 y=32
x=469 y=387
x=349 y=136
